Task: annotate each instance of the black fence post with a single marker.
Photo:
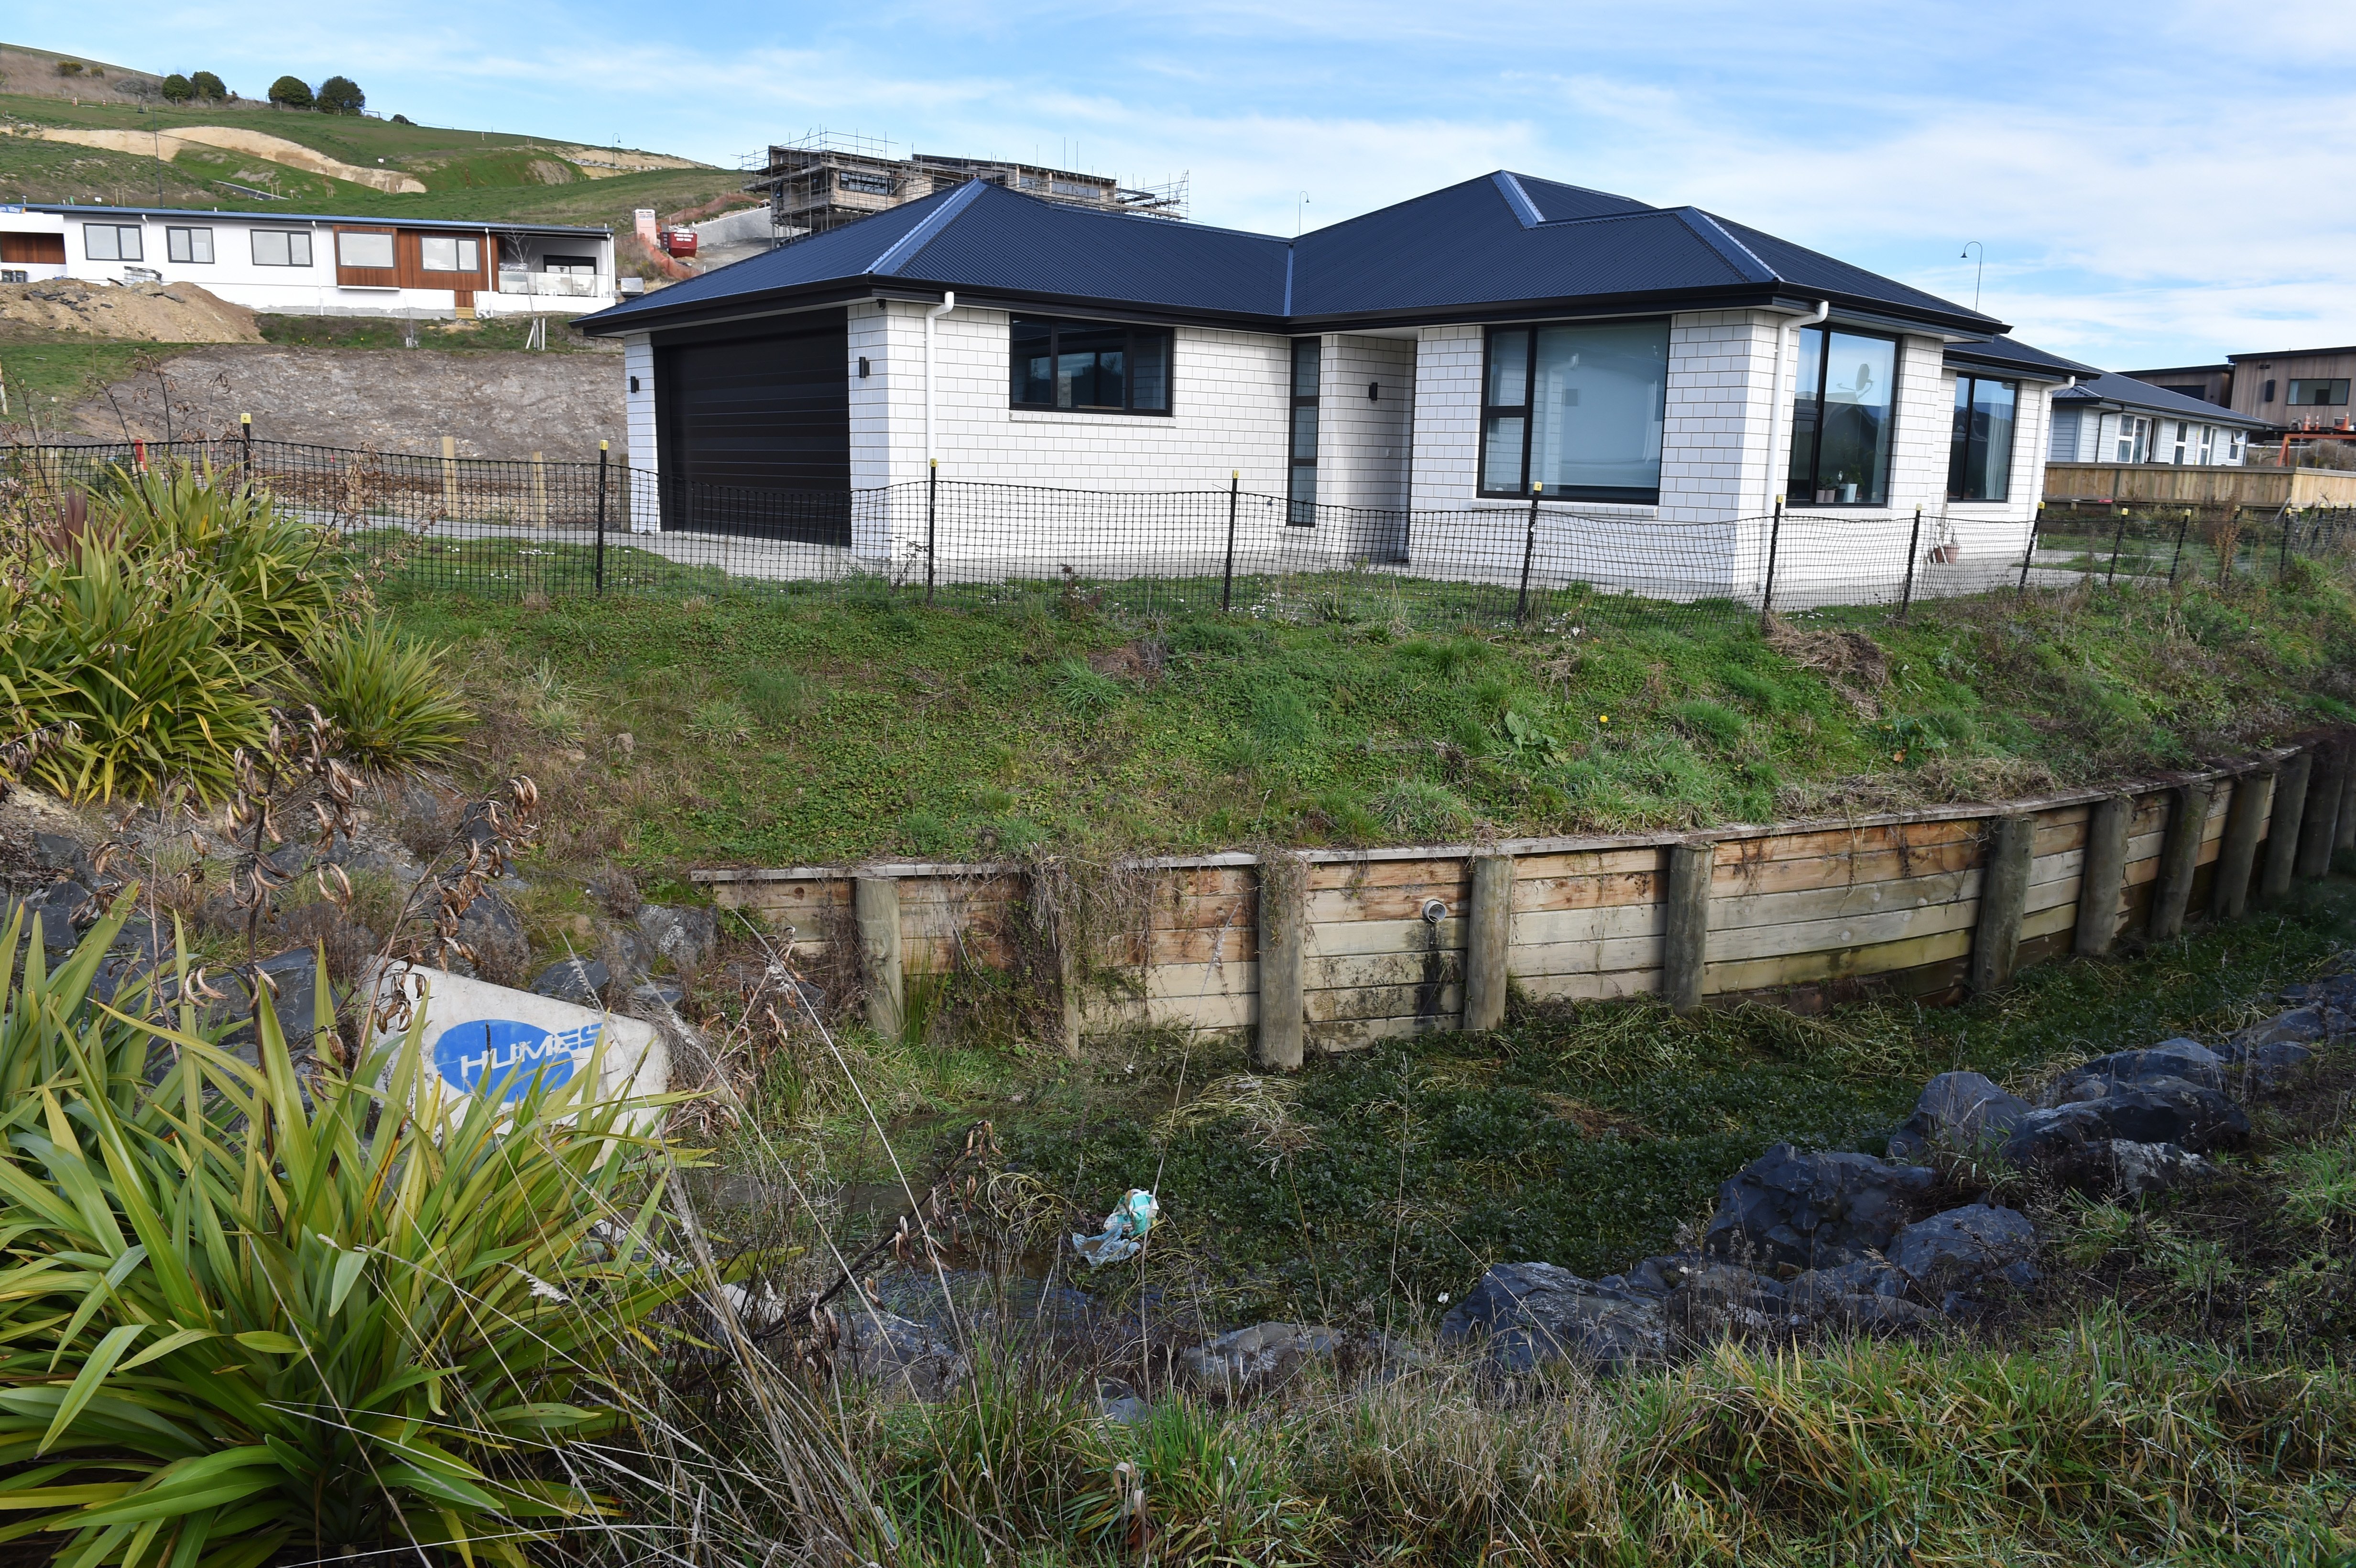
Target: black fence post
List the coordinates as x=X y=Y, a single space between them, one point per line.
x=2029 y=554
x=245 y=434
x=2183 y=528
x=2282 y=563
x=932 y=507
x=1913 y=554
x=1529 y=554
x=1774 y=543
x=602 y=459
x=2117 y=540
x=1227 y=573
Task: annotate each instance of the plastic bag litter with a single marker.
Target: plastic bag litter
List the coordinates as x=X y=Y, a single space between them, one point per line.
x=1123 y=1236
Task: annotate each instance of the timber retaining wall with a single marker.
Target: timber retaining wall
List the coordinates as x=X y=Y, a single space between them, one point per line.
x=1361 y=944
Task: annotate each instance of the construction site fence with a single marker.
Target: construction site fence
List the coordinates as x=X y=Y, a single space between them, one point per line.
x=501 y=529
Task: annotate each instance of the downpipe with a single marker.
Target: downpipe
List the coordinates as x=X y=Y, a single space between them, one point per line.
x=949 y=304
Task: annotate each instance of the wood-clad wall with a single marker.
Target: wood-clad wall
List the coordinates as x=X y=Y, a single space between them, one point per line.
x=1885 y=905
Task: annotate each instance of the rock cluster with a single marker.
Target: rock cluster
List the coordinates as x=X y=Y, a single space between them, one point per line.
x=1849 y=1241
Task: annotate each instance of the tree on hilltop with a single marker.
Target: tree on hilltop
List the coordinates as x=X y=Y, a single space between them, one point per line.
x=340 y=95
x=209 y=87
x=176 y=89
x=291 y=92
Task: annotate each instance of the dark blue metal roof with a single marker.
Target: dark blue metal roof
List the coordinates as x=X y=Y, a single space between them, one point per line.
x=2011 y=354
x=2124 y=391
x=1500 y=242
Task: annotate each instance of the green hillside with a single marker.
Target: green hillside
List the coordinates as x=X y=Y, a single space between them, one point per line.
x=468 y=173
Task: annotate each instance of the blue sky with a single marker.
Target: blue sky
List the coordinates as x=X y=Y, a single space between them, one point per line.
x=2153 y=185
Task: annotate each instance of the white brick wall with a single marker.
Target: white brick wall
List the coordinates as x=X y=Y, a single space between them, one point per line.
x=638 y=419
x=1362 y=440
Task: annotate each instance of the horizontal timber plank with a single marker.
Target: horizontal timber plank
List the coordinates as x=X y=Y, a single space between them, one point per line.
x=2061 y=917
x=1548 y=927
x=1828 y=904
x=1865 y=838
x=1355 y=874
x=1589 y=987
x=1376 y=969
x=1325 y=905
x=1538 y=867
x=1798 y=968
x=1798 y=873
x=1335 y=938
x=1387 y=1002
x=1604 y=891
x=1805 y=937
x=1583 y=957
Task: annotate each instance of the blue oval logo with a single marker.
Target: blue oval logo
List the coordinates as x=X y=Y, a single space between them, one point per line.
x=481 y=1054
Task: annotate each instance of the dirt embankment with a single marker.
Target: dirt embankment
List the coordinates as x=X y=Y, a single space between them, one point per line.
x=140 y=313
x=166 y=146
x=494 y=404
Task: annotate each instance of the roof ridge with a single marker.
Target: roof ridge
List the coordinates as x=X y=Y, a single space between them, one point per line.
x=1741 y=257
x=1517 y=200
x=904 y=248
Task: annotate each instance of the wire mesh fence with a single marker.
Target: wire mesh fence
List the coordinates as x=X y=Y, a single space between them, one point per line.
x=508 y=528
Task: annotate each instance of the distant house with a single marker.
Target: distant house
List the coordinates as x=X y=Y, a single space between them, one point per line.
x=2290 y=389
x=1446 y=358
x=312 y=264
x=2113 y=418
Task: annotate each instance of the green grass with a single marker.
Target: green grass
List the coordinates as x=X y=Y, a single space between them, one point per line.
x=494 y=335
x=970 y=730
x=48 y=377
x=468 y=173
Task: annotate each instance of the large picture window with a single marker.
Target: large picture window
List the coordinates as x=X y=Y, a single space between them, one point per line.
x=359 y=248
x=1979 y=461
x=1090 y=366
x=2307 y=394
x=117 y=242
x=282 y=248
x=1577 y=409
x=448 y=253
x=1843 y=411
x=190 y=245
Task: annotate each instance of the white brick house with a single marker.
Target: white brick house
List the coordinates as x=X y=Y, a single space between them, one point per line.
x=1404 y=383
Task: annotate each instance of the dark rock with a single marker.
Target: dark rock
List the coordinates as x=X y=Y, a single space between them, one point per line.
x=58 y=910
x=1655 y=1277
x=2266 y=1066
x=581 y=981
x=656 y=999
x=1817 y=1289
x=2334 y=991
x=1960 y=1111
x=493 y=930
x=388 y=858
x=1261 y=1356
x=2141 y=1170
x=2299 y=1026
x=2157 y=1110
x=1812 y=1210
x=1533 y=1313
x=291 y=982
x=686 y=935
x=2186 y=1059
x=1873 y=1314
x=1720 y=1301
x=56 y=852
x=1963 y=1247
x=1116 y=1402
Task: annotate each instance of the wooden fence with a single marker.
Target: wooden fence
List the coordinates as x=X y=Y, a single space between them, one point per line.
x=2207 y=487
x=1329 y=950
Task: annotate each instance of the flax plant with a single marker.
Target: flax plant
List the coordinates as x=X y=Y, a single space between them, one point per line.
x=247 y=1310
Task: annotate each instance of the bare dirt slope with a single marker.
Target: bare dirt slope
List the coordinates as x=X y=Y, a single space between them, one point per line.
x=168 y=146
x=140 y=313
x=495 y=404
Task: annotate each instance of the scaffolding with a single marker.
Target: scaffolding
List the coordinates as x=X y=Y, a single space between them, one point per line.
x=828 y=179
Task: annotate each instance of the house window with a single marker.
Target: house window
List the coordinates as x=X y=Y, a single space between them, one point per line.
x=2183 y=432
x=1979 y=455
x=1843 y=414
x=2134 y=439
x=282 y=248
x=448 y=253
x=2304 y=394
x=2208 y=445
x=2234 y=447
x=865 y=185
x=363 y=249
x=192 y=245
x=1577 y=409
x=112 y=242
x=1302 y=492
x=578 y=266
x=1090 y=365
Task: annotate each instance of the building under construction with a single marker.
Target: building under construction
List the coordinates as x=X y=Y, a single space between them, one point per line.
x=824 y=181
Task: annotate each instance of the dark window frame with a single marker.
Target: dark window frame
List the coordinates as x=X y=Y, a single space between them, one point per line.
x=1055 y=324
x=186 y=235
x=138 y=232
x=1625 y=494
x=1298 y=513
x=2331 y=384
x=310 y=250
x=1793 y=491
x=1958 y=441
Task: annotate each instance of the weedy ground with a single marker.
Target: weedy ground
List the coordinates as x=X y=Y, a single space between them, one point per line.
x=766 y=730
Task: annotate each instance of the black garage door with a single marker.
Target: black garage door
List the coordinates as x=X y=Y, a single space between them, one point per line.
x=755 y=430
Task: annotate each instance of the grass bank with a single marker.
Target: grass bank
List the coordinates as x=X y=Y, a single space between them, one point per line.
x=771 y=729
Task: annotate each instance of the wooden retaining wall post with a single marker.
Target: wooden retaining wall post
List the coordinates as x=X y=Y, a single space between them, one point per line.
x=2282 y=828
x=1488 y=937
x=876 y=906
x=1283 y=932
x=2319 y=832
x=2004 y=902
x=1685 y=933
x=2245 y=818
x=2179 y=857
x=2344 y=836
x=2102 y=873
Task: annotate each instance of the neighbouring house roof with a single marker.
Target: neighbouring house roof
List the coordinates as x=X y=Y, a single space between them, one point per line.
x=1489 y=249
x=2108 y=391
x=2289 y=354
x=2011 y=357
x=472 y=226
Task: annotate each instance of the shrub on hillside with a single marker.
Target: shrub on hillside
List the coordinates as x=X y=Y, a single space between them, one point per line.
x=291 y=92
x=176 y=89
x=209 y=87
x=68 y=68
x=337 y=1319
x=340 y=95
x=385 y=694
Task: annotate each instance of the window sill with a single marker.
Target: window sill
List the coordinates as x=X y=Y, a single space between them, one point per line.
x=371 y=288
x=1077 y=416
